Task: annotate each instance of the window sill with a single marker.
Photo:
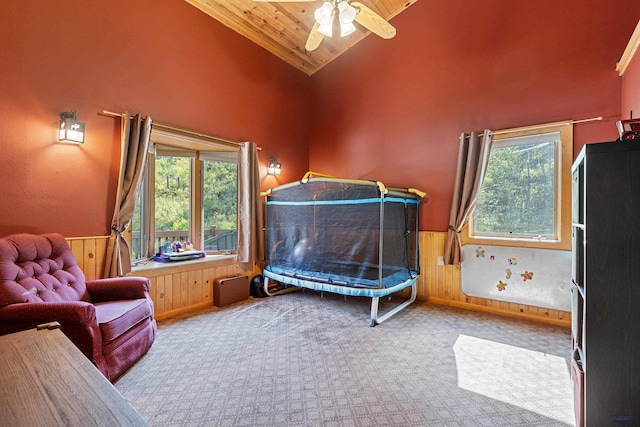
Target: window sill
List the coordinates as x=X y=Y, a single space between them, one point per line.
x=193 y=264
x=517 y=242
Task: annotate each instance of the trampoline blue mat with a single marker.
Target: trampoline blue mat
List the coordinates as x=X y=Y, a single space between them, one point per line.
x=313 y=280
x=346 y=273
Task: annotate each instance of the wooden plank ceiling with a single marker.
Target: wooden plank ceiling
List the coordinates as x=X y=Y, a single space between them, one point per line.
x=283 y=28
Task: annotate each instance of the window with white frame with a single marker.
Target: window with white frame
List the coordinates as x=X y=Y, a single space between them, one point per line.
x=524 y=199
x=188 y=194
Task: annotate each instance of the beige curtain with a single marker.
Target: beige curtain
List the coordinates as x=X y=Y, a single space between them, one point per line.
x=250 y=217
x=133 y=159
x=472 y=164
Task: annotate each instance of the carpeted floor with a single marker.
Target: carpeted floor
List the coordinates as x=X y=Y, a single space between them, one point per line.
x=300 y=359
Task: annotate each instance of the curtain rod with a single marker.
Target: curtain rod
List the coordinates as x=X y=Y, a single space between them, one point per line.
x=546 y=125
x=187 y=132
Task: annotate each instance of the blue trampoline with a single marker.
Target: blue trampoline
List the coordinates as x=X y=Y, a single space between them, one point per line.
x=350 y=237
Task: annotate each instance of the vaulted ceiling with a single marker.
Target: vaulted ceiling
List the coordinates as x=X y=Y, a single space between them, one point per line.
x=283 y=27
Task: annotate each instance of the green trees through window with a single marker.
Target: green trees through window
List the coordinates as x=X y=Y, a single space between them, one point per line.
x=220 y=205
x=172 y=193
x=518 y=194
x=172 y=197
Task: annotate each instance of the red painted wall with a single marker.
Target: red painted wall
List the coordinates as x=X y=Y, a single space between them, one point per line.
x=393 y=110
x=631 y=88
x=390 y=110
x=162 y=58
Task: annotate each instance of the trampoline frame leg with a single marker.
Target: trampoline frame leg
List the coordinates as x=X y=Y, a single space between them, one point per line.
x=266 y=286
x=375 y=320
x=375 y=301
x=280 y=292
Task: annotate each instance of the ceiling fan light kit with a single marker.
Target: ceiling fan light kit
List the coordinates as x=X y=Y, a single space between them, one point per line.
x=347 y=16
x=348 y=12
x=324 y=18
x=325 y=15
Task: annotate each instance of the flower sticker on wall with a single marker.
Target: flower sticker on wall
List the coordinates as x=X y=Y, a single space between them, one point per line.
x=501 y=286
x=527 y=275
x=512 y=261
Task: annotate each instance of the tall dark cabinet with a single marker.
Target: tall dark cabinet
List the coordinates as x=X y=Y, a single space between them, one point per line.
x=606 y=284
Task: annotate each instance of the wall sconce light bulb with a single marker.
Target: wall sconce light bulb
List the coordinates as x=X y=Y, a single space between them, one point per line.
x=274 y=167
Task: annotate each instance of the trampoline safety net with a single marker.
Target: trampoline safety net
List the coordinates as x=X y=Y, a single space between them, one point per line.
x=350 y=233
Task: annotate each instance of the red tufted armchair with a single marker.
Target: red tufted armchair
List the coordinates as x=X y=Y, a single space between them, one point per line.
x=109 y=320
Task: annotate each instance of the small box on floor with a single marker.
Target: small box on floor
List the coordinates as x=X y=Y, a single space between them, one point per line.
x=229 y=290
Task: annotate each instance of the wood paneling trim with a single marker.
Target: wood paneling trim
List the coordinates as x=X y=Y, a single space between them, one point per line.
x=630 y=51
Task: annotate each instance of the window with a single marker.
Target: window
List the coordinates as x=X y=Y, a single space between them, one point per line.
x=188 y=194
x=220 y=204
x=524 y=199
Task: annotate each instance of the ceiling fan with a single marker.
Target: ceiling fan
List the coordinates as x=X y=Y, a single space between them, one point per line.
x=346 y=12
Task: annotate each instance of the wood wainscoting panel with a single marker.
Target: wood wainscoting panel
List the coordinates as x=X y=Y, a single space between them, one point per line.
x=186 y=286
x=440 y=284
x=176 y=289
x=90 y=254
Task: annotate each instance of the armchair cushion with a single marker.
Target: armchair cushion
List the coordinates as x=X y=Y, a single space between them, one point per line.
x=109 y=320
x=115 y=318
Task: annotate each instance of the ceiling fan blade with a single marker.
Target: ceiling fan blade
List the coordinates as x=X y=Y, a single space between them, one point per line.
x=314 y=39
x=373 y=22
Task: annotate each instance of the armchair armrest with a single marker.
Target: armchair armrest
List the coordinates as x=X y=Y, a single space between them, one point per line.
x=64 y=312
x=78 y=320
x=118 y=288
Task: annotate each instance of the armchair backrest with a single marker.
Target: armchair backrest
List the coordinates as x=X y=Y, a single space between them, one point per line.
x=39 y=268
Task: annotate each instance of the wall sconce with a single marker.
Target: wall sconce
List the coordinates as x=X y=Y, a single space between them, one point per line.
x=274 y=166
x=71 y=129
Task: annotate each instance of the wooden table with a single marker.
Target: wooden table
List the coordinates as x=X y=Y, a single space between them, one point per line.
x=46 y=381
